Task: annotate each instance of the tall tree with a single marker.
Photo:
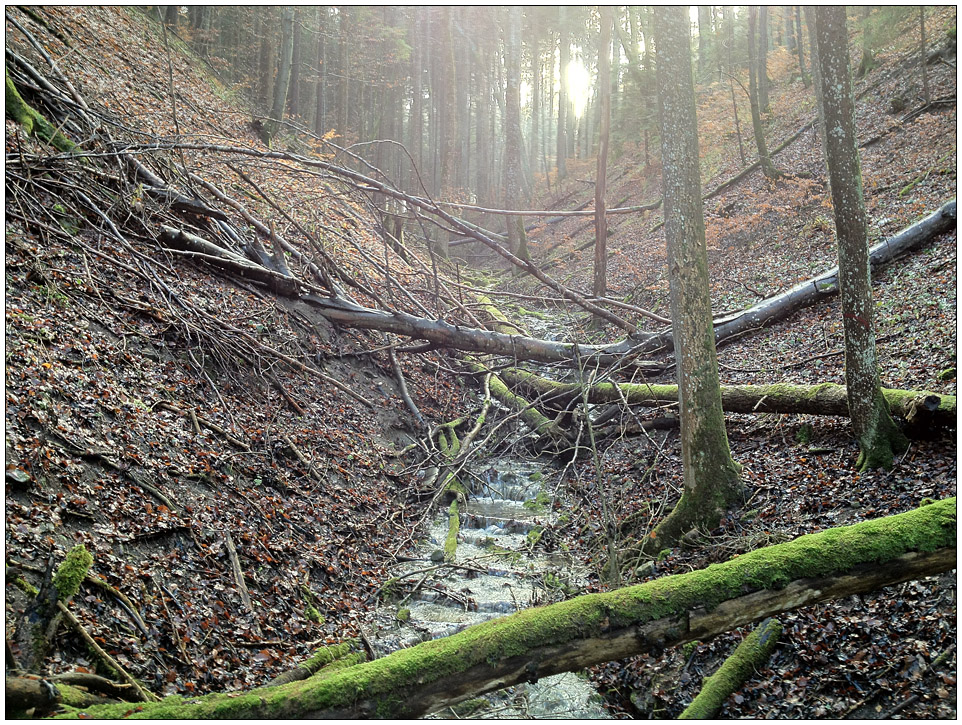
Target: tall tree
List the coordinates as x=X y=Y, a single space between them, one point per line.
x=764 y=105
x=799 y=45
x=284 y=70
x=868 y=53
x=879 y=438
x=320 y=67
x=599 y=286
x=345 y=26
x=926 y=95
x=759 y=132
x=294 y=88
x=704 y=40
x=447 y=101
x=564 y=56
x=729 y=21
x=711 y=477
x=512 y=130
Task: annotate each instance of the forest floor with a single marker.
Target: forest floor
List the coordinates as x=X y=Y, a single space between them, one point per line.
x=146 y=431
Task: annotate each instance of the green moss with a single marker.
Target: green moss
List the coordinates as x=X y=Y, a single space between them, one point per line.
x=804 y=434
x=534 y=536
x=71 y=572
x=403 y=615
x=830 y=552
x=33 y=123
x=538 y=504
x=947 y=374
x=389 y=590
x=454 y=526
x=750 y=655
x=26 y=587
x=326 y=655
x=454 y=486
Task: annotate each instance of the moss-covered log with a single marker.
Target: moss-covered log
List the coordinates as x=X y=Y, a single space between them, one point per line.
x=532 y=417
x=454 y=528
x=823 y=399
x=320 y=660
x=34 y=124
x=597 y=628
x=749 y=656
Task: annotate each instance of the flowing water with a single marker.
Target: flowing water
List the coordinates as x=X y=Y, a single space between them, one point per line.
x=508 y=506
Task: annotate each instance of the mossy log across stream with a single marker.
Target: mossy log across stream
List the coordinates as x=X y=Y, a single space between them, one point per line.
x=597 y=628
x=823 y=399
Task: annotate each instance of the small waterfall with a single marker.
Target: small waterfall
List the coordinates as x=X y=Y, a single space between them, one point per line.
x=508 y=505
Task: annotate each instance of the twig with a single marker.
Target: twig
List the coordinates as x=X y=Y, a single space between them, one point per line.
x=239 y=581
x=403 y=389
x=286 y=395
x=142 y=695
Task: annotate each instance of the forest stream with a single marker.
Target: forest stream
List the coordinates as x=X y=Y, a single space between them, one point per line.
x=494 y=573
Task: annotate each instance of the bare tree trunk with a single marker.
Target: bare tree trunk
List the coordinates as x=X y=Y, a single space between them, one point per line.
x=294 y=90
x=599 y=286
x=799 y=45
x=764 y=105
x=926 y=95
x=759 y=132
x=345 y=25
x=512 y=130
x=704 y=39
x=563 y=55
x=729 y=17
x=879 y=439
x=284 y=72
x=711 y=477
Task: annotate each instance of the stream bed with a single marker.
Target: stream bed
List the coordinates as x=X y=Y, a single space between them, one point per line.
x=508 y=506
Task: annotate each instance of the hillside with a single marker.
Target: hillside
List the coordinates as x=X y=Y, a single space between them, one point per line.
x=248 y=475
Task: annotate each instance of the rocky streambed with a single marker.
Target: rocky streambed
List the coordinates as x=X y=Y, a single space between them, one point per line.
x=497 y=568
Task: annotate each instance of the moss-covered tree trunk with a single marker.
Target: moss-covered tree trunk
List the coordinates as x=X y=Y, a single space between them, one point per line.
x=919 y=407
x=602 y=627
x=711 y=481
x=879 y=439
x=42 y=616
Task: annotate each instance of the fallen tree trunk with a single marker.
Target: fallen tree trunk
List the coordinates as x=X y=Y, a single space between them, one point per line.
x=749 y=656
x=443 y=334
x=598 y=628
x=826 y=285
x=824 y=399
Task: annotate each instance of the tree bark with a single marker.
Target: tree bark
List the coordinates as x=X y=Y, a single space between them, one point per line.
x=284 y=72
x=599 y=286
x=711 y=481
x=799 y=45
x=512 y=131
x=768 y=168
x=563 y=57
x=704 y=39
x=602 y=627
x=823 y=399
x=879 y=438
x=764 y=105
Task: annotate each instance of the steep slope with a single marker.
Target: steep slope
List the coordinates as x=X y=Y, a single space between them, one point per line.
x=152 y=413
